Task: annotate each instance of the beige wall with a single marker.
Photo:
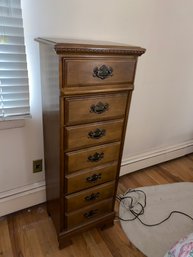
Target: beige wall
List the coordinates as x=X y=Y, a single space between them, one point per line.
x=160 y=121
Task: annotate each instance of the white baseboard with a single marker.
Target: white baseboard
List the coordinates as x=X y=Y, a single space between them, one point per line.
x=29 y=195
x=148 y=159
x=22 y=197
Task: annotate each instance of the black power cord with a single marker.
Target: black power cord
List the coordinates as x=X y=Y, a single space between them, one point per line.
x=137 y=209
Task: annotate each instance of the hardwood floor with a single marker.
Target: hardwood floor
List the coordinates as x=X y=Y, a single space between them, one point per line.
x=30 y=233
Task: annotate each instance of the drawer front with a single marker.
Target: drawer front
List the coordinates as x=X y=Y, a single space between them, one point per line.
x=86 y=179
x=92 y=134
x=95 y=108
x=86 y=197
x=92 y=72
x=91 y=157
x=88 y=214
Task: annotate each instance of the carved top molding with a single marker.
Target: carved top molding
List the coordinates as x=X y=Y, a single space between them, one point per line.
x=98 y=51
x=76 y=47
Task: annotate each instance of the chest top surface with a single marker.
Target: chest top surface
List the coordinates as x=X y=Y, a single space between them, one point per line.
x=72 y=46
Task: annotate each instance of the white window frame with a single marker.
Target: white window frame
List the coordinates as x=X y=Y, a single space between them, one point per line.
x=14 y=83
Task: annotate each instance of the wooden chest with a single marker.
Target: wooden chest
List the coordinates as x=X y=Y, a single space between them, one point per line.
x=86 y=94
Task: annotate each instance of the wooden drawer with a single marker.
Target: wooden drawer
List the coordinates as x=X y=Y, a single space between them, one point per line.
x=83 y=179
x=87 y=214
x=91 y=157
x=95 y=108
x=103 y=71
x=92 y=134
x=86 y=197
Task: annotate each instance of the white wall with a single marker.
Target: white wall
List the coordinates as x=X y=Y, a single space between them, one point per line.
x=160 y=123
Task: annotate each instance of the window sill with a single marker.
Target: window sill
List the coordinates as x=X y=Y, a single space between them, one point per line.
x=11 y=124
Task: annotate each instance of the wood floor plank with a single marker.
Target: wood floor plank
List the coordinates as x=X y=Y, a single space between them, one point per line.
x=96 y=245
x=118 y=243
x=19 y=227
x=79 y=247
x=178 y=168
x=156 y=176
x=190 y=156
x=144 y=179
x=5 y=243
x=129 y=181
x=121 y=188
x=172 y=176
x=30 y=233
x=166 y=175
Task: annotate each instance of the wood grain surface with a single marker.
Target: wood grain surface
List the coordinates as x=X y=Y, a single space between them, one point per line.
x=83 y=106
x=80 y=72
x=85 y=135
x=30 y=233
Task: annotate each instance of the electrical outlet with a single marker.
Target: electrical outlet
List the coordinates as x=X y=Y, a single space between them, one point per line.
x=37 y=166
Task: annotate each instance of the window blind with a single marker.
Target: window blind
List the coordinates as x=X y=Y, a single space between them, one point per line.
x=14 y=87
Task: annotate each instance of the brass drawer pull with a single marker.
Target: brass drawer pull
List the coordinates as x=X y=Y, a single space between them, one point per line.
x=98 y=133
x=90 y=213
x=99 y=108
x=92 y=197
x=93 y=178
x=102 y=72
x=96 y=157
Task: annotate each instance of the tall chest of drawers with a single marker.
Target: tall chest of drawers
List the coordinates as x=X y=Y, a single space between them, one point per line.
x=86 y=94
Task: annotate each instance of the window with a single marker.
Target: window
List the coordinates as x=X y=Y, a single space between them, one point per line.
x=14 y=87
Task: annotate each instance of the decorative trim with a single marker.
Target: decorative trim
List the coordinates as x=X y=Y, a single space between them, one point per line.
x=74 y=47
x=21 y=198
x=148 y=159
x=64 y=50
